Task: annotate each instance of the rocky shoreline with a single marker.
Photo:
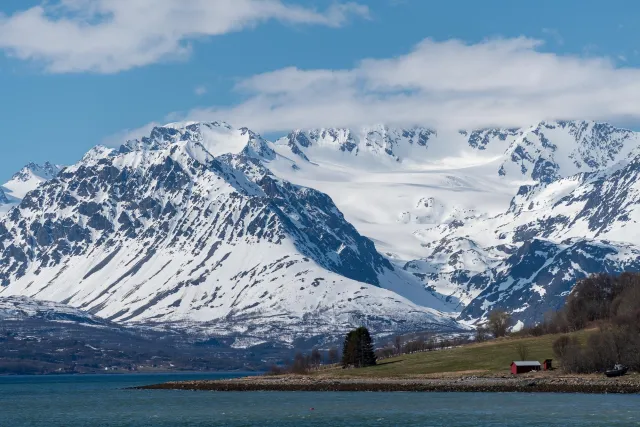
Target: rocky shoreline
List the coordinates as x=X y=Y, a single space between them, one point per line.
x=526 y=384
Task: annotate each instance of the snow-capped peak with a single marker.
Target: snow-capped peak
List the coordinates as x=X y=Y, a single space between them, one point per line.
x=28 y=179
x=96 y=153
x=42 y=172
x=217 y=138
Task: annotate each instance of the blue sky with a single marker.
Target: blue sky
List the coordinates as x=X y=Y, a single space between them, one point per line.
x=65 y=91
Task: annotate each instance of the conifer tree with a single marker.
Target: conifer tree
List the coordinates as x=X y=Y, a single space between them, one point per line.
x=358 y=349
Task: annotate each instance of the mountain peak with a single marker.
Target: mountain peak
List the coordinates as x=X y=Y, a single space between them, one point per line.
x=32 y=170
x=217 y=138
x=26 y=180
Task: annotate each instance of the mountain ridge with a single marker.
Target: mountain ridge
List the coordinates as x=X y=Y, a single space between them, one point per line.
x=393 y=228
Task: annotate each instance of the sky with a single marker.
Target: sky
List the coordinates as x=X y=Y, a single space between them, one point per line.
x=77 y=73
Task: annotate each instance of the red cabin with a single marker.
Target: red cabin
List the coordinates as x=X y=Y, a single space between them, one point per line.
x=546 y=365
x=524 y=366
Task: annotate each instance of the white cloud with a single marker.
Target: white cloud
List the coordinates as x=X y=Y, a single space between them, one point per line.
x=200 y=90
x=108 y=36
x=450 y=84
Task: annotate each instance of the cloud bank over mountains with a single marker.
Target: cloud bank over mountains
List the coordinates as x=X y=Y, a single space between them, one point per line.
x=441 y=84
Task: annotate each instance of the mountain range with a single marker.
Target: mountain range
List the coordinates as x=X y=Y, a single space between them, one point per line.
x=213 y=229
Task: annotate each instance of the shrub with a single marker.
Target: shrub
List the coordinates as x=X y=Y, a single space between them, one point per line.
x=498 y=323
x=560 y=346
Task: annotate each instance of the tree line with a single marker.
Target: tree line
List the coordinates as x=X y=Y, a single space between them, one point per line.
x=303 y=363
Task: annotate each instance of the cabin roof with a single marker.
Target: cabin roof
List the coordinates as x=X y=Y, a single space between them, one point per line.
x=526 y=363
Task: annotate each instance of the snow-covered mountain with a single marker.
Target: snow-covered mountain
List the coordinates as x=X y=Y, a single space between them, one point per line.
x=214 y=228
x=188 y=227
x=602 y=204
x=553 y=233
x=27 y=179
x=566 y=229
x=455 y=209
x=538 y=277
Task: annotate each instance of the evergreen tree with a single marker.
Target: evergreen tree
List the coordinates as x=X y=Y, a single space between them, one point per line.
x=358 y=349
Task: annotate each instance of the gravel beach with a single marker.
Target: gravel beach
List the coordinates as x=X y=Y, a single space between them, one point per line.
x=525 y=383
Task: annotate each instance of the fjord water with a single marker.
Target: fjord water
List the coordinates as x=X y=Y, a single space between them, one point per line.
x=102 y=400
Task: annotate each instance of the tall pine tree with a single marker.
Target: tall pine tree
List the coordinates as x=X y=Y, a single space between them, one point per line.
x=357 y=350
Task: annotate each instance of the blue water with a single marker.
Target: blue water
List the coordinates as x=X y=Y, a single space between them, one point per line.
x=100 y=400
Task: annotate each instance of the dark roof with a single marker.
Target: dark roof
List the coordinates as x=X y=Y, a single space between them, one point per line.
x=526 y=363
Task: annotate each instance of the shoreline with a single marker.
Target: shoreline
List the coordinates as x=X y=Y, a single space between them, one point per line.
x=474 y=384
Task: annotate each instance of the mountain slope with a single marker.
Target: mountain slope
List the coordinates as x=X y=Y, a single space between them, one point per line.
x=551 y=235
x=3 y=198
x=597 y=205
x=553 y=150
x=21 y=308
x=168 y=229
x=538 y=277
x=41 y=337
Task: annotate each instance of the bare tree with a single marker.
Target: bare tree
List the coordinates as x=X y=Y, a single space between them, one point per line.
x=431 y=344
x=276 y=370
x=316 y=358
x=498 y=322
x=300 y=364
x=388 y=352
x=482 y=334
x=398 y=344
x=334 y=355
x=523 y=351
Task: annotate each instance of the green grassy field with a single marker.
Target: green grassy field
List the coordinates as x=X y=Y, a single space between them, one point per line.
x=492 y=357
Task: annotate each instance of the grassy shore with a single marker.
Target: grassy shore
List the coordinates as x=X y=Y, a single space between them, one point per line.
x=482 y=367
x=488 y=358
